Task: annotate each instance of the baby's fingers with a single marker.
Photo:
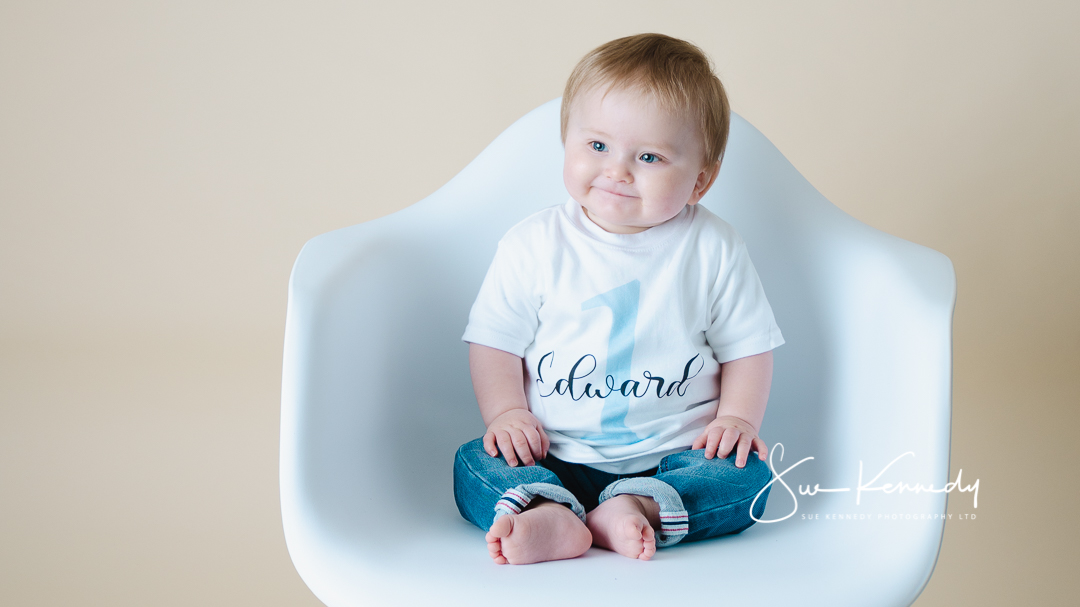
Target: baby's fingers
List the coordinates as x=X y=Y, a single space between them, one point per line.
x=743 y=450
x=521 y=444
x=536 y=446
x=489 y=444
x=700 y=442
x=730 y=442
x=762 y=450
x=716 y=435
x=506 y=447
x=544 y=442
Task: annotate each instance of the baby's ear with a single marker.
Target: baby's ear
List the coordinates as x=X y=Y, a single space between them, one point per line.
x=705 y=180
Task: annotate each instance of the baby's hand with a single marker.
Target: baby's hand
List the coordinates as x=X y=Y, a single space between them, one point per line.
x=519 y=435
x=723 y=433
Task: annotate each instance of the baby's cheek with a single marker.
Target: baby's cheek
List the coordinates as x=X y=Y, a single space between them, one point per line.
x=681 y=190
x=571 y=180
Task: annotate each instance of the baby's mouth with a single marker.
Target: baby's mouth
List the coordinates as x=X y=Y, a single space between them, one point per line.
x=619 y=194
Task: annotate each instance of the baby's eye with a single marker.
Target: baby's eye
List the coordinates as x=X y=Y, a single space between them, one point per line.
x=649 y=158
x=599 y=147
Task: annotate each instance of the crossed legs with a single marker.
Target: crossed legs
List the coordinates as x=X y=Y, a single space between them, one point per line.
x=537 y=519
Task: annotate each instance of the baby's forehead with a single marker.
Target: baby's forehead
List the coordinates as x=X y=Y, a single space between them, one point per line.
x=649 y=96
x=652 y=108
x=651 y=102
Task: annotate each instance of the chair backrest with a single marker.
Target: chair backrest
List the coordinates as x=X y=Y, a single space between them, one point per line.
x=376 y=391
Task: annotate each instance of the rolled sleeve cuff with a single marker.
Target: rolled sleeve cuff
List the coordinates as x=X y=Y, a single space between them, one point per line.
x=758 y=344
x=495 y=340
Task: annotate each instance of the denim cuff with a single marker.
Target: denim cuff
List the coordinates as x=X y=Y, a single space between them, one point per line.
x=674 y=521
x=516 y=499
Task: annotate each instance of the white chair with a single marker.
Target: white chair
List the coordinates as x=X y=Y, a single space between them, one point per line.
x=376 y=398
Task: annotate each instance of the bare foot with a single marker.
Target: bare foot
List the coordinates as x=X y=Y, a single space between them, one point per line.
x=545 y=531
x=621 y=524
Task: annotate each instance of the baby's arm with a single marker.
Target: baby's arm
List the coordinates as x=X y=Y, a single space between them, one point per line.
x=498 y=380
x=744 y=392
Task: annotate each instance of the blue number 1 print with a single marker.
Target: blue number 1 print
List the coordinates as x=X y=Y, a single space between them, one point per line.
x=623 y=303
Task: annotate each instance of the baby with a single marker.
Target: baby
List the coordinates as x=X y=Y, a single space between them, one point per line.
x=621 y=344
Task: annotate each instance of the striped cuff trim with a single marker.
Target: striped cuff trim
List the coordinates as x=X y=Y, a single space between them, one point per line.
x=673 y=525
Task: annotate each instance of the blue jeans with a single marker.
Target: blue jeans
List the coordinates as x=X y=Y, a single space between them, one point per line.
x=699 y=498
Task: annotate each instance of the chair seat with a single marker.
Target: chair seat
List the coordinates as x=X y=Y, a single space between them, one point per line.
x=376 y=398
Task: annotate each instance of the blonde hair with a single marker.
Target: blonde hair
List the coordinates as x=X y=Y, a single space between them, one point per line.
x=676 y=73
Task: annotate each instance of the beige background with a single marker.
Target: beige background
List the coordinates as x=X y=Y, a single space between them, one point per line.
x=161 y=165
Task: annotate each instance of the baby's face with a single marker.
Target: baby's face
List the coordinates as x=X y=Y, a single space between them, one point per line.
x=630 y=164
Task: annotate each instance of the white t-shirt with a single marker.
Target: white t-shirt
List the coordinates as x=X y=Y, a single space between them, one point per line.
x=622 y=334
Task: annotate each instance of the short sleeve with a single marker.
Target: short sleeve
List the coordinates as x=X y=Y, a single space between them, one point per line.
x=741 y=320
x=504 y=315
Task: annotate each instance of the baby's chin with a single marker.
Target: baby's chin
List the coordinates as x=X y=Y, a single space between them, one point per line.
x=615 y=225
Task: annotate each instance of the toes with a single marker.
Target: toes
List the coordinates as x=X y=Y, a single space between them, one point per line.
x=629 y=539
x=648 y=534
x=501 y=528
x=495 y=549
x=649 y=543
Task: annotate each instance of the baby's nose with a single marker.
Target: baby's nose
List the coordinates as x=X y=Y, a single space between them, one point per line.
x=617 y=170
